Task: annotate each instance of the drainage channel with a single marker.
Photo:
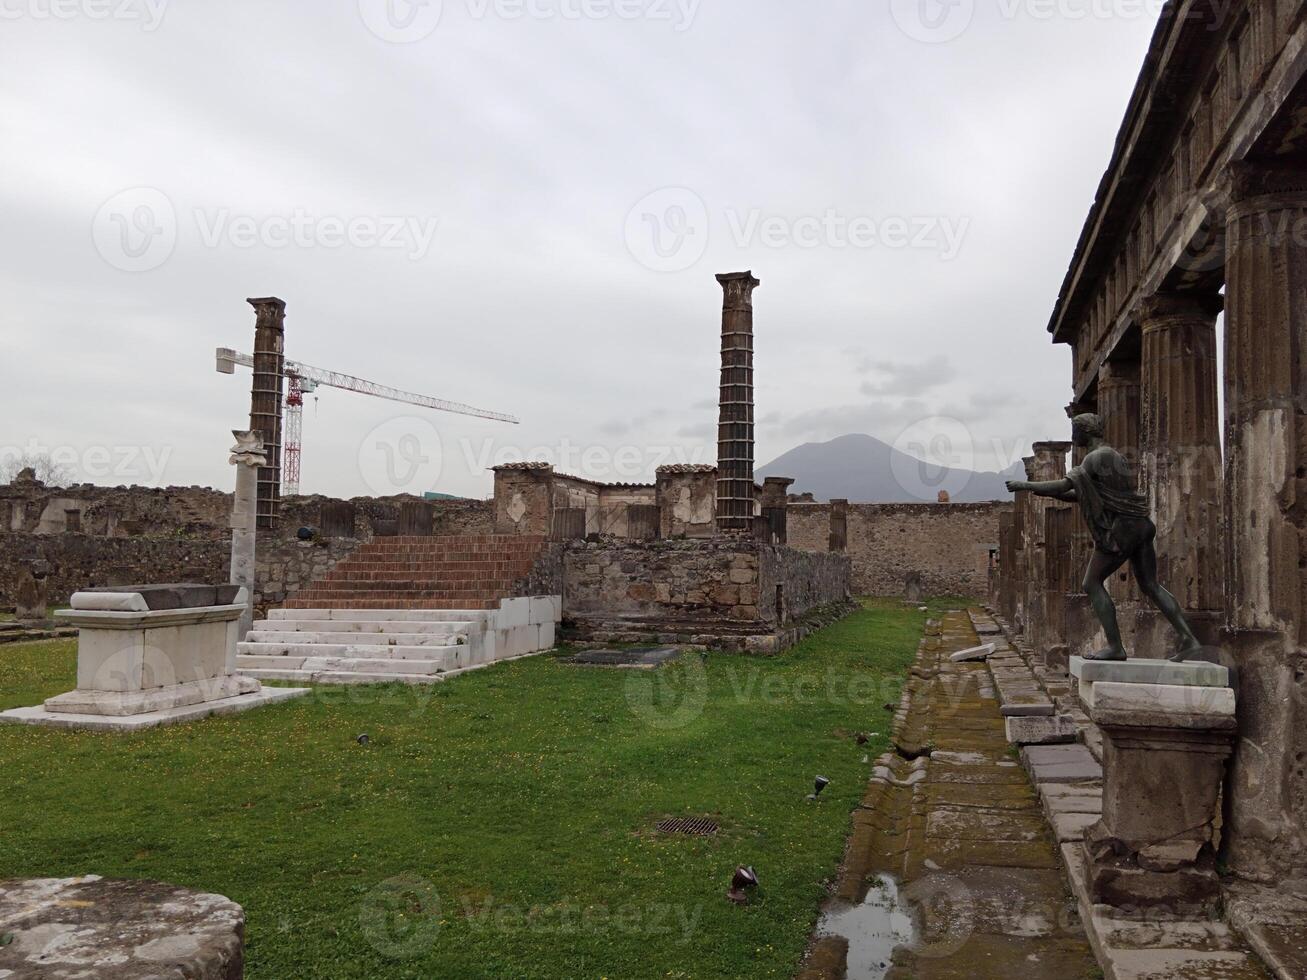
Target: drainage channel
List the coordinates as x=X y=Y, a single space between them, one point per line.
x=951 y=871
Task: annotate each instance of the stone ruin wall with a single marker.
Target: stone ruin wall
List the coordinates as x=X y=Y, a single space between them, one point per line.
x=947 y=545
x=132 y=535
x=705 y=581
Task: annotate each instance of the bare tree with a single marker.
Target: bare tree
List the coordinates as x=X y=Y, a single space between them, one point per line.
x=47 y=469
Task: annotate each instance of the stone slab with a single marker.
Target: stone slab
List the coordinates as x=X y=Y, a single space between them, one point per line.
x=1072 y=826
x=1040 y=755
x=1066 y=772
x=1028 y=709
x=636 y=657
x=1040 y=730
x=1143 y=671
x=154 y=719
x=157 y=597
x=77 y=928
x=972 y=653
x=1160 y=705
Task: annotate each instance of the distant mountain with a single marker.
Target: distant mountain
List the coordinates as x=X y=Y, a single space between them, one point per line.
x=862 y=469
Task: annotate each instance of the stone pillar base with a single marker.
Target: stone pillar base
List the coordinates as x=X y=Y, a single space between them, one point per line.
x=1165 y=748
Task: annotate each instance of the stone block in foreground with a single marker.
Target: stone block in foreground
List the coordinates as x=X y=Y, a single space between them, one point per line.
x=74 y=928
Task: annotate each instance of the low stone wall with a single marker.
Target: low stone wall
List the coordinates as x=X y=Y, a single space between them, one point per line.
x=709 y=582
x=947 y=546
x=798 y=582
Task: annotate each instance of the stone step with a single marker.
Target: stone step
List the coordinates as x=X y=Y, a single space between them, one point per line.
x=391 y=605
x=352 y=650
x=381 y=616
x=360 y=676
x=355 y=665
x=368 y=637
x=411 y=626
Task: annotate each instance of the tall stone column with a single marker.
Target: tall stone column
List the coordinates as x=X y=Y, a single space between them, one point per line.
x=735 y=494
x=247 y=456
x=1266 y=515
x=266 y=398
x=1048 y=463
x=1180 y=443
x=1118 y=405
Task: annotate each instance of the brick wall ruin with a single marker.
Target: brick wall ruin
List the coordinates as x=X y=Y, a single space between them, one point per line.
x=706 y=583
x=93 y=536
x=947 y=547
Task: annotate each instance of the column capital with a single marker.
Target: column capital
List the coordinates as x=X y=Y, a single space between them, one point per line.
x=1250 y=180
x=248 y=450
x=737 y=289
x=1165 y=307
x=269 y=312
x=1051 y=447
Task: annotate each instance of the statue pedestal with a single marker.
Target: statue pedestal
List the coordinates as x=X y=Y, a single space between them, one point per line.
x=1166 y=742
x=153 y=655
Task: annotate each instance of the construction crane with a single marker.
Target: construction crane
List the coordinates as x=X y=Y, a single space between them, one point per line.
x=302 y=379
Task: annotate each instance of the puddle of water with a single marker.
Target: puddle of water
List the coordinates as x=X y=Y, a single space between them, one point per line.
x=874 y=929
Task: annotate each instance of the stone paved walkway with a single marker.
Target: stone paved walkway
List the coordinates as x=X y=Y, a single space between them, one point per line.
x=952 y=871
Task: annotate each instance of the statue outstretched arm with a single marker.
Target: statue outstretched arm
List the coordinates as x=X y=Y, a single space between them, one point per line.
x=1060 y=489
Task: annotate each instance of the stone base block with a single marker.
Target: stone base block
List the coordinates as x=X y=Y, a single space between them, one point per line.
x=1194 y=890
x=39 y=715
x=122 y=703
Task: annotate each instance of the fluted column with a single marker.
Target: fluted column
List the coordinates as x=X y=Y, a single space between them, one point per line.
x=1266 y=497
x=1118 y=404
x=1265 y=396
x=1048 y=463
x=1180 y=443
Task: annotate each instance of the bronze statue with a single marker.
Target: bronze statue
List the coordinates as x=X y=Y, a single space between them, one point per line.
x=1118 y=518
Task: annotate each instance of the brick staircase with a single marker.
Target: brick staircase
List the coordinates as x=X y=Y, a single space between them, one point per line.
x=409 y=609
x=462 y=571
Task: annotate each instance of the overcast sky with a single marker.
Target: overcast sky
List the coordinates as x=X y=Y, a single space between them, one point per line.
x=521 y=205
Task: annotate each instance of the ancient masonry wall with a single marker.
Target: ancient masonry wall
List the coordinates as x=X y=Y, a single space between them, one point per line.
x=706 y=581
x=949 y=546
x=93 y=536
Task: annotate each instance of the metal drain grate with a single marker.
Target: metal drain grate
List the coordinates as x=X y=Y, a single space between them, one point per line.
x=694 y=826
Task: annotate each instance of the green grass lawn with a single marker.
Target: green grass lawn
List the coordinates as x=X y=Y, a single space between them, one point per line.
x=498 y=825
